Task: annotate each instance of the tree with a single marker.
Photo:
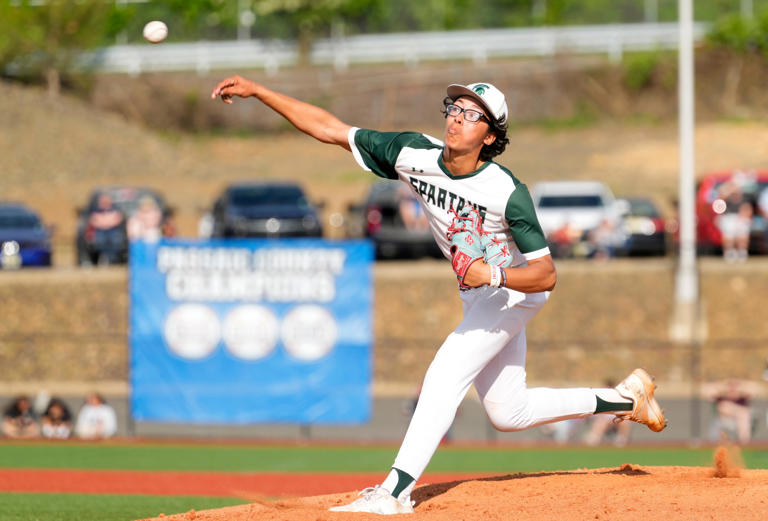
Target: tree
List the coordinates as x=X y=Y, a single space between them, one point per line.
x=40 y=41
x=309 y=16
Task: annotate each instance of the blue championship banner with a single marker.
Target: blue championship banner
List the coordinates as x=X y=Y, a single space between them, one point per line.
x=250 y=331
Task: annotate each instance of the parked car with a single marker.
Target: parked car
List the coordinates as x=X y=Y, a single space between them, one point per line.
x=644 y=227
x=710 y=205
x=24 y=240
x=573 y=214
x=393 y=219
x=265 y=209
x=102 y=225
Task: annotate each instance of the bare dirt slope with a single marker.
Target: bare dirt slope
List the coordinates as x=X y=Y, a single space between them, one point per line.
x=53 y=152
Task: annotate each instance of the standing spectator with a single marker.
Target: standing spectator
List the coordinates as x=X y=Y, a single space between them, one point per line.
x=762 y=203
x=19 y=421
x=108 y=224
x=735 y=222
x=603 y=240
x=96 y=419
x=762 y=208
x=765 y=379
x=57 y=420
x=146 y=222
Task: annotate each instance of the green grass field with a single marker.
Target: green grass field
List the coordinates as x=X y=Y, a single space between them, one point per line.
x=260 y=458
x=100 y=507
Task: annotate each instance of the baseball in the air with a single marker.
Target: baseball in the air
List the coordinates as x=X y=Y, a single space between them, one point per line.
x=155 y=31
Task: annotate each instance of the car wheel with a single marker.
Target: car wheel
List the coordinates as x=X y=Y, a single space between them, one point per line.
x=104 y=259
x=83 y=258
x=708 y=249
x=387 y=251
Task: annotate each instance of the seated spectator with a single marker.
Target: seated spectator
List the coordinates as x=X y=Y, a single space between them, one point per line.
x=146 y=222
x=604 y=427
x=57 y=420
x=19 y=421
x=96 y=419
x=732 y=401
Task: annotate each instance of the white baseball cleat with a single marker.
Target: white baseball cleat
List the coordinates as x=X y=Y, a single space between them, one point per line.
x=639 y=388
x=377 y=500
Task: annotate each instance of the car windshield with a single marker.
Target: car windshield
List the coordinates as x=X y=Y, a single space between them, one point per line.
x=751 y=189
x=126 y=199
x=643 y=209
x=19 y=222
x=268 y=195
x=570 y=201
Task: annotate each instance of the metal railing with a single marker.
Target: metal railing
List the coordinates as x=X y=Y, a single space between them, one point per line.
x=408 y=48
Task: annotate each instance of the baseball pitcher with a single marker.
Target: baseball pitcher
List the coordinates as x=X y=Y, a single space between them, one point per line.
x=483 y=219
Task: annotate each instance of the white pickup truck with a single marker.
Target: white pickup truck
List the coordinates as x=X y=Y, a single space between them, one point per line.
x=582 y=206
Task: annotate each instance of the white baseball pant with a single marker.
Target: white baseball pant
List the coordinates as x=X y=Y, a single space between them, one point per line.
x=488 y=348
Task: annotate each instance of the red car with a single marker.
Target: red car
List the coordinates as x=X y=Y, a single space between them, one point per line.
x=710 y=205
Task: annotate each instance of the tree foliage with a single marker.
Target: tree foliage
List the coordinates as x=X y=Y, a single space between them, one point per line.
x=311 y=16
x=39 y=39
x=742 y=34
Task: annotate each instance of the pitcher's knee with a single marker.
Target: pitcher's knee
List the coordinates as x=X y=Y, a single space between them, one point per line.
x=509 y=417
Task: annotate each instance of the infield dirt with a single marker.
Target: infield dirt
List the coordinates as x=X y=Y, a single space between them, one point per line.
x=627 y=493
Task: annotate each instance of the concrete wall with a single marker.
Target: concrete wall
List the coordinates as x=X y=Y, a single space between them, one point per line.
x=68 y=327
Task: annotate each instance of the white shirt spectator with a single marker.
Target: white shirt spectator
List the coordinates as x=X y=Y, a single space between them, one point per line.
x=96 y=419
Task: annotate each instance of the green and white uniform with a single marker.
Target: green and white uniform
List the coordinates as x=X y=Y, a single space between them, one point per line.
x=488 y=348
x=502 y=200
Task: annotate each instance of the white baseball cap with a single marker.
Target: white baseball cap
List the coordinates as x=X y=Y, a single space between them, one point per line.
x=491 y=98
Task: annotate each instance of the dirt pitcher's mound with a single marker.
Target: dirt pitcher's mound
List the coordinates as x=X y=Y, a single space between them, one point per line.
x=627 y=493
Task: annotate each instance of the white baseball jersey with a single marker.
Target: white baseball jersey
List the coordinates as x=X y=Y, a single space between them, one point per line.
x=417 y=159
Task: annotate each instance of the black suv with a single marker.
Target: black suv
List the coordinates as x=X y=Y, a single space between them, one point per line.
x=265 y=209
x=392 y=217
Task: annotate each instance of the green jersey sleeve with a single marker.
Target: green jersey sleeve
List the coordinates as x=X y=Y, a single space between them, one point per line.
x=378 y=151
x=523 y=223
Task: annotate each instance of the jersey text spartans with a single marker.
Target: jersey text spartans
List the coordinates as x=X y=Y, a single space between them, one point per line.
x=502 y=200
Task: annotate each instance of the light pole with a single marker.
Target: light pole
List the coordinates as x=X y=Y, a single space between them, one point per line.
x=245 y=19
x=651 y=11
x=747 y=9
x=686 y=326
